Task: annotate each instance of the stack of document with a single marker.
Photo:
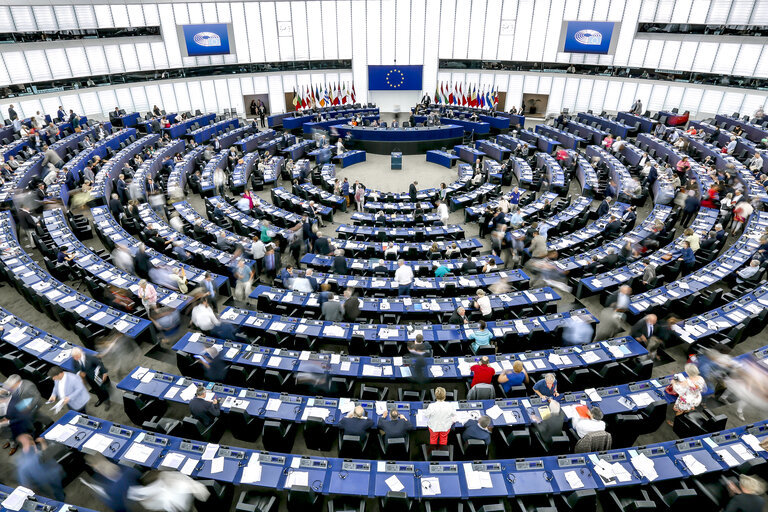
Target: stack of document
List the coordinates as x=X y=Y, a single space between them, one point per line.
x=645 y=466
x=188 y=393
x=297 y=478
x=16 y=500
x=430 y=486
x=642 y=399
x=477 y=479
x=693 y=465
x=573 y=480
x=251 y=472
x=394 y=484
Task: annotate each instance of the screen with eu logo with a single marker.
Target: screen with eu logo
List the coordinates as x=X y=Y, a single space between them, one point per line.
x=394 y=78
x=589 y=37
x=206 y=39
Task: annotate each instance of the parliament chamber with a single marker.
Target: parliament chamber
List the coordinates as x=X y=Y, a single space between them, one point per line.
x=384 y=255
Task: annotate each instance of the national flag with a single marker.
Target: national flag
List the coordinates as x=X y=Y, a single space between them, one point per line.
x=354 y=95
x=474 y=96
x=338 y=94
x=481 y=101
x=464 y=99
x=496 y=96
x=488 y=99
x=437 y=94
x=295 y=99
x=451 y=96
x=327 y=97
x=344 y=93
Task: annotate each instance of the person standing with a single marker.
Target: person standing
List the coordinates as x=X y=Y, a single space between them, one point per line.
x=403 y=278
x=244 y=276
x=92 y=370
x=69 y=389
x=440 y=418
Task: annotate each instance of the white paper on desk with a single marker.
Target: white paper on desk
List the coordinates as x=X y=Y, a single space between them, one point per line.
x=494 y=412
x=742 y=452
x=477 y=479
x=188 y=393
x=139 y=453
x=590 y=357
x=346 y=405
x=394 y=484
x=752 y=442
x=252 y=472
x=98 y=443
x=17 y=498
x=421 y=418
x=139 y=373
x=98 y=316
x=229 y=315
x=371 y=371
x=430 y=486
x=38 y=345
x=333 y=331
x=335 y=358
x=645 y=466
x=573 y=480
x=15 y=335
x=274 y=361
x=727 y=457
x=539 y=364
x=345 y=366
x=210 y=451
x=60 y=433
x=273 y=404
x=194 y=337
x=173 y=460
x=529 y=366
x=554 y=359
x=693 y=465
x=189 y=466
x=642 y=399
x=297 y=478
x=436 y=370
x=593 y=394
x=304 y=356
x=147 y=377
x=217 y=465
x=62 y=356
x=381 y=407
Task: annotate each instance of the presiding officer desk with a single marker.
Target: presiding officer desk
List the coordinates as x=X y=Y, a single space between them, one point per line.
x=354 y=365
x=449 y=232
x=56 y=299
x=62 y=236
x=409 y=141
x=506 y=478
x=112 y=234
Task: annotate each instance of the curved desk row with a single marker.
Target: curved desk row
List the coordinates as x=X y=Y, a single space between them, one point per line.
x=149 y=168
x=254 y=140
x=59 y=301
x=354 y=365
x=102 y=186
x=180 y=128
x=449 y=232
x=585 y=173
x=566 y=139
x=205 y=133
x=112 y=234
x=505 y=478
x=616 y=128
x=738 y=254
x=593 y=232
x=366 y=266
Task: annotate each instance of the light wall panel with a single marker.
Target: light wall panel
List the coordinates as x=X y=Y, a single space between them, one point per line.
x=140 y=102
x=477 y=30
x=522 y=31
x=103 y=16
x=372 y=21
x=388 y=31
x=447 y=19
x=6 y=20
x=255 y=36
x=183 y=99
x=167 y=100
x=345 y=29
x=402 y=32
x=491 y=32
x=57 y=61
x=37 y=63
x=330 y=31
x=299 y=28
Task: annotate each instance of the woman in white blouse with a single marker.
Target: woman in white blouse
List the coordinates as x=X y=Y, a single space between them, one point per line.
x=440 y=417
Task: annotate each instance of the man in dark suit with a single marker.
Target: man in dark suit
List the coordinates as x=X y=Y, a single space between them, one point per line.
x=613 y=228
x=214 y=364
x=605 y=206
x=413 y=191
x=60 y=114
x=459 y=317
x=12 y=115
x=551 y=426
x=468 y=266
x=709 y=242
x=122 y=188
x=611 y=259
x=322 y=245
x=393 y=425
x=202 y=410
x=380 y=269
x=590 y=268
x=478 y=429
x=690 y=208
x=644 y=329
x=114 y=117
x=356 y=423
x=92 y=370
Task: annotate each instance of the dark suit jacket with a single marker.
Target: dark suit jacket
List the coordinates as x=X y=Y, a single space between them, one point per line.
x=603 y=209
x=93 y=368
x=394 y=428
x=322 y=246
x=550 y=427
x=339 y=265
x=613 y=228
x=641 y=329
x=204 y=411
x=355 y=426
x=412 y=192
x=472 y=430
x=456 y=319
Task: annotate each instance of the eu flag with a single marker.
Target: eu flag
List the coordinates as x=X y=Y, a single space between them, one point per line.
x=394 y=78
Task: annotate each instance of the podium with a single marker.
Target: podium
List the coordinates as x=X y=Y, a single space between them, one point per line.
x=396 y=160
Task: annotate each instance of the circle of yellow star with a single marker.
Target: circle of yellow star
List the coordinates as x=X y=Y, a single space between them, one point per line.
x=391 y=83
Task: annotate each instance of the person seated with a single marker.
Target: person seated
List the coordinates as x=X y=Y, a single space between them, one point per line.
x=613 y=228
x=750 y=271
x=547 y=387
x=747 y=496
x=378 y=267
x=481 y=336
x=482 y=373
x=459 y=317
x=62 y=255
x=468 y=266
x=202 y=409
x=214 y=363
x=441 y=270
x=356 y=423
x=478 y=429
x=514 y=377
x=551 y=425
x=393 y=425
x=592 y=423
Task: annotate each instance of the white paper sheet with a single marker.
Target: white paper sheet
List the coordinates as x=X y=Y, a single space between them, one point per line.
x=394 y=484
x=138 y=453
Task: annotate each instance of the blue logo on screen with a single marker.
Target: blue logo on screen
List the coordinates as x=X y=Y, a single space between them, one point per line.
x=207 y=39
x=588 y=36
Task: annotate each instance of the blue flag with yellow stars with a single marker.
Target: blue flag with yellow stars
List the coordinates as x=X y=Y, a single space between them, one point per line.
x=394 y=78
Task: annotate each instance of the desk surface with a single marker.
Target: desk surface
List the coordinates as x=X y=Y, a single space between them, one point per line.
x=507 y=478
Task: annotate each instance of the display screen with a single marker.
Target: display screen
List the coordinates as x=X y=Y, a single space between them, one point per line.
x=394 y=78
x=206 y=39
x=588 y=36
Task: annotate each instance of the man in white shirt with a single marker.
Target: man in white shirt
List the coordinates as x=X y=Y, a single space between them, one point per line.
x=594 y=423
x=258 y=251
x=731 y=147
x=203 y=316
x=403 y=278
x=442 y=210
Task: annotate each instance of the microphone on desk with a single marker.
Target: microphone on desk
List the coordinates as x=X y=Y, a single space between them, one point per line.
x=548 y=476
